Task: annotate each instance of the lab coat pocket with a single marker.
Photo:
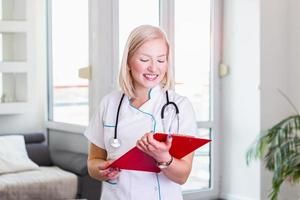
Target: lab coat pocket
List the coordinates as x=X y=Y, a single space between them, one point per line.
x=110 y=188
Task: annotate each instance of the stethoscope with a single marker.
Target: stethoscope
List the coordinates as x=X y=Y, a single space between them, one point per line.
x=116 y=142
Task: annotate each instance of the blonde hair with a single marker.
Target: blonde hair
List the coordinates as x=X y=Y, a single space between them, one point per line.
x=136 y=39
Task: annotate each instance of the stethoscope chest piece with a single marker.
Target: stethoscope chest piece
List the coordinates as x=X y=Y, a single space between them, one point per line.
x=115 y=142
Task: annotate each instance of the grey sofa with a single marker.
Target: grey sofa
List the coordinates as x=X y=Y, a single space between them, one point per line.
x=76 y=163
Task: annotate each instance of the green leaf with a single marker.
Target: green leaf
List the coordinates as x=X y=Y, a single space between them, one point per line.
x=279 y=148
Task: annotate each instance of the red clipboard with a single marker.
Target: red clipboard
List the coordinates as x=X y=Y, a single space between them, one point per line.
x=135 y=159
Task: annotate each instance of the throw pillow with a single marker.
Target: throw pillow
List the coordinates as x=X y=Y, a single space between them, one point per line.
x=13 y=155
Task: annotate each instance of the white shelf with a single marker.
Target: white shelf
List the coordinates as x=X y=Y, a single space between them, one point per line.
x=13 y=108
x=14 y=26
x=17 y=28
x=14 y=67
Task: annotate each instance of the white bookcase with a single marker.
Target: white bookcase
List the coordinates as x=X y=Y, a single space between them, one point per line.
x=16 y=55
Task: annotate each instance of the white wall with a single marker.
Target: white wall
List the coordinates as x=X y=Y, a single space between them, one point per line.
x=293 y=90
x=271 y=61
x=240 y=121
x=274 y=71
x=33 y=120
x=294 y=45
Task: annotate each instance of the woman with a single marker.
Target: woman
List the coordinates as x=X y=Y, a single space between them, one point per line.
x=145 y=76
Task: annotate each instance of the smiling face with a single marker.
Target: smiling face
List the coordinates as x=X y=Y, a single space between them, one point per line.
x=148 y=65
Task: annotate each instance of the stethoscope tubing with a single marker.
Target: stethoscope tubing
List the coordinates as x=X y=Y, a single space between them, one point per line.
x=116 y=141
x=117 y=117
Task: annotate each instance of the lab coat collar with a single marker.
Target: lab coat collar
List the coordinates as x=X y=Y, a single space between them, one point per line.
x=155 y=91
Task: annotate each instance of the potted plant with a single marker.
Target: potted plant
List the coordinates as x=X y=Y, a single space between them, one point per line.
x=279 y=147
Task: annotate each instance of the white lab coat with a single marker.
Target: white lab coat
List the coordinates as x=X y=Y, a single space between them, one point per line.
x=134 y=123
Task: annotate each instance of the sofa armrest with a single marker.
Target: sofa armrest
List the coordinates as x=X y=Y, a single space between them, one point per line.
x=70 y=161
x=39 y=153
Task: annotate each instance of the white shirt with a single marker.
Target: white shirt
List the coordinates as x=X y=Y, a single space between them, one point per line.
x=133 y=124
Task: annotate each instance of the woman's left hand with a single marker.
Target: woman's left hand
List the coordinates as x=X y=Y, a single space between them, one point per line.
x=158 y=150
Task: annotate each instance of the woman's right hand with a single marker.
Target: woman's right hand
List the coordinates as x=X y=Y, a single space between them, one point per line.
x=98 y=165
x=108 y=174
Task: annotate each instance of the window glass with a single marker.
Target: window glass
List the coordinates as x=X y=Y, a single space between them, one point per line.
x=70 y=51
x=200 y=174
x=192 y=54
x=133 y=13
x=192 y=76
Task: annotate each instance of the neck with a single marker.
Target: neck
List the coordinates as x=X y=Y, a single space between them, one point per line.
x=141 y=96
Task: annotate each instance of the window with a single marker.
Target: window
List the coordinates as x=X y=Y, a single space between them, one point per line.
x=68 y=51
x=188 y=25
x=192 y=75
x=147 y=12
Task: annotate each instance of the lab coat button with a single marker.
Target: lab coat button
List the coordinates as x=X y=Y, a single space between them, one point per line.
x=155 y=188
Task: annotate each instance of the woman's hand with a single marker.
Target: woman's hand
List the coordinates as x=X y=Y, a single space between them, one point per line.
x=107 y=174
x=156 y=149
x=98 y=166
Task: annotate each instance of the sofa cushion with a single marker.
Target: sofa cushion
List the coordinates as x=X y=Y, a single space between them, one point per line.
x=73 y=162
x=13 y=155
x=46 y=183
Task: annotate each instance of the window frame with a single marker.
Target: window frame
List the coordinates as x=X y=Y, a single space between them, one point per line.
x=50 y=123
x=167 y=20
x=49 y=61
